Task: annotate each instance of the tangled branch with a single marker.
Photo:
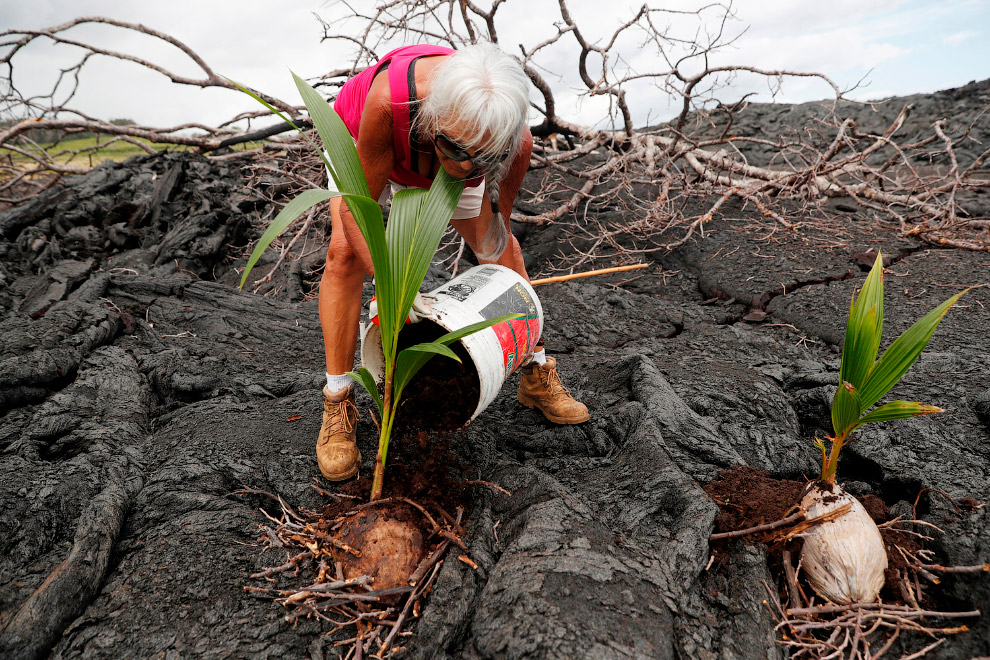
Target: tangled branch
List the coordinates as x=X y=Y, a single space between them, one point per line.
x=654 y=172
x=669 y=180
x=51 y=113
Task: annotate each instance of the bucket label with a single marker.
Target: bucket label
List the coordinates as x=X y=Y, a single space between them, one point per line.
x=464 y=286
x=517 y=338
x=494 y=291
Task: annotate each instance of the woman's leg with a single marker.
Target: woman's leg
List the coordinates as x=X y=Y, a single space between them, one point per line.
x=340 y=312
x=340 y=297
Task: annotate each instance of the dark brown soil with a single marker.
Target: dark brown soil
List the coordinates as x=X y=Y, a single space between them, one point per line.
x=444 y=394
x=748 y=497
x=897 y=566
x=875 y=507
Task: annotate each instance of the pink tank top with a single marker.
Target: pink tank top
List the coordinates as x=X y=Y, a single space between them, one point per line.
x=402 y=84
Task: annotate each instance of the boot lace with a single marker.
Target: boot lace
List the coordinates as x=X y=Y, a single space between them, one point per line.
x=551 y=381
x=343 y=412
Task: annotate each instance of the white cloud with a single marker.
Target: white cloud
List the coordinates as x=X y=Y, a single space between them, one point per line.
x=830 y=52
x=871 y=94
x=257 y=41
x=959 y=36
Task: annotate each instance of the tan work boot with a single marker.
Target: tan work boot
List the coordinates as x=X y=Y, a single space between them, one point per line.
x=540 y=388
x=336 y=448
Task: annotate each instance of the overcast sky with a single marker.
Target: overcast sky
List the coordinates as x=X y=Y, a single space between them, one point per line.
x=893 y=47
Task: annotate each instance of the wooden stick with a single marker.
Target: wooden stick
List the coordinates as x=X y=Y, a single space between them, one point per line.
x=978 y=568
x=811 y=522
x=792 y=583
x=900 y=610
x=574 y=276
x=405 y=611
x=489 y=484
x=797 y=517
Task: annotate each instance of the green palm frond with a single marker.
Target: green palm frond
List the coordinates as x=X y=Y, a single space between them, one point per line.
x=863 y=379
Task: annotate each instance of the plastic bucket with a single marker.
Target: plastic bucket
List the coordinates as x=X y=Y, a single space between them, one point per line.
x=483 y=292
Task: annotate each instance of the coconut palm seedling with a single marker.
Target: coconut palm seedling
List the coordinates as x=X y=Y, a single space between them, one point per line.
x=400 y=254
x=844 y=559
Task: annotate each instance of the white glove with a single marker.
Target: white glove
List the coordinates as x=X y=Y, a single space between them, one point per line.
x=420 y=309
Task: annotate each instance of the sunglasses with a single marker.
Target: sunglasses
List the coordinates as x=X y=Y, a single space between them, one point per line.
x=456 y=152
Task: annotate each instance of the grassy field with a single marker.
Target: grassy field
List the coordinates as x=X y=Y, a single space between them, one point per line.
x=65 y=152
x=95 y=150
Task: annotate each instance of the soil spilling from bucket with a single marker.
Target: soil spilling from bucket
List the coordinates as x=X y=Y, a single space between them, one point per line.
x=422 y=466
x=444 y=394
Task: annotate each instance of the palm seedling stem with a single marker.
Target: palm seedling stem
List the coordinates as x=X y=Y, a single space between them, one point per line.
x=830 y=465
x=388 y=416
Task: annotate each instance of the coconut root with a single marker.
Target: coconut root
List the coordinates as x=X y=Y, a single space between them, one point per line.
x=371 y=621
x=847 y=632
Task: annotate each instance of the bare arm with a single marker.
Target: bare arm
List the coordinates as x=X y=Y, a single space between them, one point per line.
x=508 y=191
x=474 y=230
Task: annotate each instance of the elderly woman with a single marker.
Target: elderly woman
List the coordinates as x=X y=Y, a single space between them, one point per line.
x=419 y=109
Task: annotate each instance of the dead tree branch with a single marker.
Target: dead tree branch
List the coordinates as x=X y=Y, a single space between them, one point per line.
x=672 y=179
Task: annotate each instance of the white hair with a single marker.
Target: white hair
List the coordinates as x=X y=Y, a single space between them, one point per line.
x=484 y=93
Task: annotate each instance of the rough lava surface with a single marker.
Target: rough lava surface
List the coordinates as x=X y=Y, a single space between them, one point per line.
x=139 y=389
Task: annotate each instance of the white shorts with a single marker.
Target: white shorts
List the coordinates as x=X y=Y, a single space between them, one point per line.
x=469 y=206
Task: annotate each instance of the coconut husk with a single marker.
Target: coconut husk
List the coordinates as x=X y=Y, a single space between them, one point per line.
x=390 y=548
x=844 y=559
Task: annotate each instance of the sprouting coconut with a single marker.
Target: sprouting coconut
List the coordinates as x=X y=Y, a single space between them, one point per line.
x=391 y=548
x=844 y=559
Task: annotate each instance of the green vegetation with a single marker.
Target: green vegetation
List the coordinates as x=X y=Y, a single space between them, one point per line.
x=86 y=149
x=863 y=379
x=94 y=150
